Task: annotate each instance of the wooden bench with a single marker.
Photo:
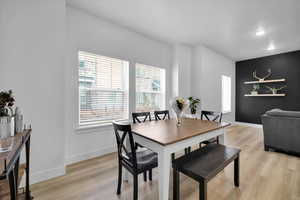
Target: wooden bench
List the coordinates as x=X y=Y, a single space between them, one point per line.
x=204 y=164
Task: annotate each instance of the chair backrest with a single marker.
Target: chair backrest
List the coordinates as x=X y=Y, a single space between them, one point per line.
x=141 y=117
x=126 y=155
x=211 y=116
x=162 y=115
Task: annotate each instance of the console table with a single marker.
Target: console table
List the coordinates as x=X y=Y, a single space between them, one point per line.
x=10 y=165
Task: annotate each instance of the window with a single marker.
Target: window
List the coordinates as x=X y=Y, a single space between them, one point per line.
x=103 y=88
x=226 y=94
x=150 y=88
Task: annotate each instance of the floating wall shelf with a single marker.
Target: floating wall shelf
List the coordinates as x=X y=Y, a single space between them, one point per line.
x=264 y=95
x=266 y=81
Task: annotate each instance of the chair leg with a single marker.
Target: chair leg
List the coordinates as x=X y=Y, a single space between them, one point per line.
x=200 y=145
x=217 y=139
x=135 y=187
x=119 y=179
x=185 y=151
x=237 y=172
x=173 y=156
x=202 y=190
x=189 y=149
x=145 y=176
x=150 y=175
x=176 y=185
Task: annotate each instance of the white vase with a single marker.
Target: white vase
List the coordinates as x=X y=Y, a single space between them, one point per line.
x=179 y=118
x=254 y=92
x=18 y=123
x=5 y=127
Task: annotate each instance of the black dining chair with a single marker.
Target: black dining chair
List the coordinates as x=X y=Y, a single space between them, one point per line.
x=211 y=116
x=135 y=162
x=162 y=115
x=140 y=117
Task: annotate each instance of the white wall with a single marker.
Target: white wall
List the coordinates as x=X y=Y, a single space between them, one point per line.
x=33 y=38
x=32 y=42
x=93 y=34
x=207 y=68
x=181 y=74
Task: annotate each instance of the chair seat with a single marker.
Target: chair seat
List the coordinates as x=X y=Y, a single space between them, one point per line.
x=146 y=160
x=206 y=162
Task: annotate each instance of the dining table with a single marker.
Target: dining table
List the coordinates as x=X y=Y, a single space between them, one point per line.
x=165 y=137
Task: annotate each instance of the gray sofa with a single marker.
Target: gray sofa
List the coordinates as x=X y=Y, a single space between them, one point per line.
x=282 y=130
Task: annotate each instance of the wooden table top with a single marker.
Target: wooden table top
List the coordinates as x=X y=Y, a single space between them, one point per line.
x=166 y=132
x=13 y=143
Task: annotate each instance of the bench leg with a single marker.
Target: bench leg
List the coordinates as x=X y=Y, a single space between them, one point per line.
x=237 y=172
x=176 y=185
x=202 y=190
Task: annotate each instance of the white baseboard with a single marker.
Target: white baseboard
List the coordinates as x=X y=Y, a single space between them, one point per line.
x=60 y=171
x=89 y=155
x=44 y=175
x=248 y=124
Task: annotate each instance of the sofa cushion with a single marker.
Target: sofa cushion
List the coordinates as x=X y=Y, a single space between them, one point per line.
x=283 y=113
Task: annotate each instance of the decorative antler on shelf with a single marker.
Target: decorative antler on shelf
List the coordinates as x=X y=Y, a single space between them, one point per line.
x=274 y=90
x=262 y=79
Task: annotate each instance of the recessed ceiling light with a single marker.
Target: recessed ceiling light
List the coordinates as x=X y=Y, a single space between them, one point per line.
x=271 y=47
x=260 y=32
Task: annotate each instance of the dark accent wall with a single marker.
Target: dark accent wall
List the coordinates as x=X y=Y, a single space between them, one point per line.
x=286 y=65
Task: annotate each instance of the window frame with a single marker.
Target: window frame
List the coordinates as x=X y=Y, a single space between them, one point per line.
x=162 y=91
x=125 y=89
x=223 y=77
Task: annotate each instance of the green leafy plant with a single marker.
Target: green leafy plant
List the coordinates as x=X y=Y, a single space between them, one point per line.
x=6 y=103
x=193 y=104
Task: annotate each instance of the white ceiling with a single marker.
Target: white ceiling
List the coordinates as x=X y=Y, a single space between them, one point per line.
x=227 y=26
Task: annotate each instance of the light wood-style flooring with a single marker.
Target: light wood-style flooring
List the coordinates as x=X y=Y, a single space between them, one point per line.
x=264 y=176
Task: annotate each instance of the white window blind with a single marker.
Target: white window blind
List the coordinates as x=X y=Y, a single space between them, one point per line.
x=103 y=89
x=226 y=94
x=150 y=88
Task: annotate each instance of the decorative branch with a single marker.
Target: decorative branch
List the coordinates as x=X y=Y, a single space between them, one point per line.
x=263 y=78
x=275 y=90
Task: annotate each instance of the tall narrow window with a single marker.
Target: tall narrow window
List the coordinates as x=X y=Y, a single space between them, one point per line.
x=103 y=89
x=226 y=94
x=150 y=88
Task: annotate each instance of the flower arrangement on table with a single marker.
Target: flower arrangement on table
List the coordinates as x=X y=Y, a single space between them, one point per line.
x=178 y=105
